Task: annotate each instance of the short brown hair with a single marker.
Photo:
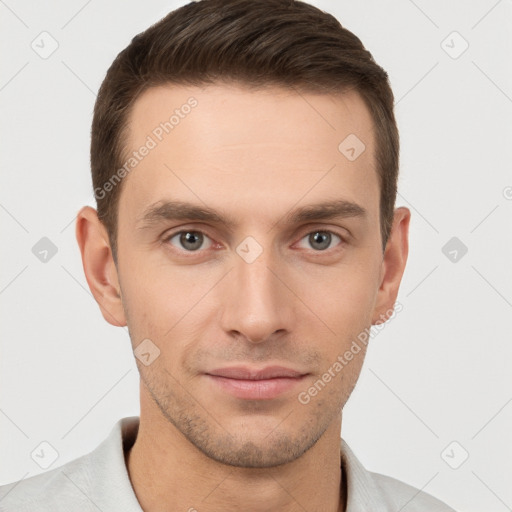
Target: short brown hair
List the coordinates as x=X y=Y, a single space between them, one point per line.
x=286 y=43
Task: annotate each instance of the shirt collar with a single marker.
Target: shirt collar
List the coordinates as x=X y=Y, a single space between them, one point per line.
x=362 y=492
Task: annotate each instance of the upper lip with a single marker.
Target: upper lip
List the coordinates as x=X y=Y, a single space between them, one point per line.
x=246 y=373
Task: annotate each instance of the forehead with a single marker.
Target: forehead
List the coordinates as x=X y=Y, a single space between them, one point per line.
x=229 y=106
x=249 y=147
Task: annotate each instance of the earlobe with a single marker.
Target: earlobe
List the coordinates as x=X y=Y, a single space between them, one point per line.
x=393 y=266
x=99 y=267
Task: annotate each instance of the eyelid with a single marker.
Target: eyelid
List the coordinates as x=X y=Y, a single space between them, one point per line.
x=343 y=233
x=169 y=233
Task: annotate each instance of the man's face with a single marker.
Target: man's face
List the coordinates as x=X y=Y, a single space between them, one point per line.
x=263 y=289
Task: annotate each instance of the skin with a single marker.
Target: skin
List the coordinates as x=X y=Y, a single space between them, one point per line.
x=252 y=155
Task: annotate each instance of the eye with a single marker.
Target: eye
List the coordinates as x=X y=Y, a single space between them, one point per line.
x=189 y=240
x=320 y=240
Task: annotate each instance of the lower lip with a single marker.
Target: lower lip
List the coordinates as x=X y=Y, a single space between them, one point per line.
x=264 y=389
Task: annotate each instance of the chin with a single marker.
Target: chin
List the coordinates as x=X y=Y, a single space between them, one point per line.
x=261 y=454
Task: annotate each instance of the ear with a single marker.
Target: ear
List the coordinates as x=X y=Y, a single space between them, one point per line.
x=99 y=267
x=393 y=266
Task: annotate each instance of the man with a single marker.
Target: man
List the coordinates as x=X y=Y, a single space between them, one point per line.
x=244 y=160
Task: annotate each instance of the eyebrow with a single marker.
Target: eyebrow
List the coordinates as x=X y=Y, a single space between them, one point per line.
x=180 y=210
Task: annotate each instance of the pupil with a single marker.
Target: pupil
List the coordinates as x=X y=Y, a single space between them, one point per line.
x=323 y=238
x=190 y=238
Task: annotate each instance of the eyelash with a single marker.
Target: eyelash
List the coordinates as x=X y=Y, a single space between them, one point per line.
x=169 y=237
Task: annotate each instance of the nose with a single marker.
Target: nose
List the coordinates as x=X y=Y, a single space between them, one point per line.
x=258 y=304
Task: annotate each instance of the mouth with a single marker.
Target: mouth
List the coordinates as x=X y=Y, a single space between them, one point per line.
x=255 y=384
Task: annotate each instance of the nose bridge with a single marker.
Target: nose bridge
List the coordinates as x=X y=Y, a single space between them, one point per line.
x=258 y=304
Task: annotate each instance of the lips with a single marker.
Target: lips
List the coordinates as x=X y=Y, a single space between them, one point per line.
x=243 y=373
x=255 y=384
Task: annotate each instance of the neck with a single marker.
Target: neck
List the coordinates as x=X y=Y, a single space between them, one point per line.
x=169 y=473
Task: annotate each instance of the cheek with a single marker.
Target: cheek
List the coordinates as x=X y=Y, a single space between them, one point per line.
x=345 y=295
x=345 y=306
x=166 y=304
x=144 y=299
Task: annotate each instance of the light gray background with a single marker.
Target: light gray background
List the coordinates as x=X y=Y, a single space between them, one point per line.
x=437 y=373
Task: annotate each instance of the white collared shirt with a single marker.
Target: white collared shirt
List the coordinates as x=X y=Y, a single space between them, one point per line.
x=99 y=482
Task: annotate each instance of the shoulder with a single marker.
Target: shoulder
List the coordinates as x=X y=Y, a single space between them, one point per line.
x=95 y=481
x=366 y=490
x=400 y=495
x=48 y=491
